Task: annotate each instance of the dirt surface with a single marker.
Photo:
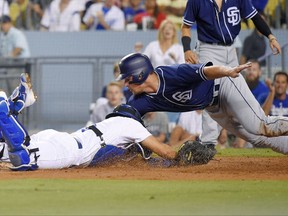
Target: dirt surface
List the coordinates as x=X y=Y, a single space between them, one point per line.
x=224 y=168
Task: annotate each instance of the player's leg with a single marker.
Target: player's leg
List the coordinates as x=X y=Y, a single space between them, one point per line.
x=219 y=55
x=278 y=144
x=240 y=113
x=239 y=103
x=16 y=138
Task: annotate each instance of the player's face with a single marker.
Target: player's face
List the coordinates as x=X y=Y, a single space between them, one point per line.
x=134 y=88
x=280 y=84
x=253 y=73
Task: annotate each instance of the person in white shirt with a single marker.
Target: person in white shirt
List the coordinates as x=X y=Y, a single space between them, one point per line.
x=189 y=127
x=104 y=16
x=165 y=50
x=4 y=8
x=114 y=95
x=61 y=15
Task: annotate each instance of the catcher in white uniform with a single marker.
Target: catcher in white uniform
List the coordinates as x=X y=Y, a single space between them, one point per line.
x=122 y=130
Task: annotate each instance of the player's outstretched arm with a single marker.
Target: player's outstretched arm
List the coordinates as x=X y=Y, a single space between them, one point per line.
x=161 y=149
x=214 y=72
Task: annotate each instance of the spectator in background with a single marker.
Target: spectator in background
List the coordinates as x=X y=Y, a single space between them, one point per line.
x=157 y=124
x=61 y=15
x=104 y=16
x=13 y=45
x=151 y=18
x=174 y=10
x=13 y=41
x=254 y=47
x=36 y=10
x=114 y=96
x=189 y=127
x=19 y=14
x=126 y=92
x=102 y=101
x=252 y=76
x=4 y=8
x=131 y=8
x=165 y=50
x=276 y=103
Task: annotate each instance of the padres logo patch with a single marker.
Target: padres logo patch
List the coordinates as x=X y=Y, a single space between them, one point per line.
x=233 y=16
x=182 y=96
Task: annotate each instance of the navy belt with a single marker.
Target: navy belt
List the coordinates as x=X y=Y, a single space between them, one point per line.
x=219 y=43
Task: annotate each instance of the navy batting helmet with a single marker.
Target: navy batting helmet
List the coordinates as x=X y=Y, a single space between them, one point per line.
x=126 y=111
x=136 y=65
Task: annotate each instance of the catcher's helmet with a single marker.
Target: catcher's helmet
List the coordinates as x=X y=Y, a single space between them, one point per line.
x=126 y=111
x=136 y=65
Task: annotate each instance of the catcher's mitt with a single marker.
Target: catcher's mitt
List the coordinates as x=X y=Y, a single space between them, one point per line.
x=193 y=152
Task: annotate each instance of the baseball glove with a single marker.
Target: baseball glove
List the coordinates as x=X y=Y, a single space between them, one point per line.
x=193 y=152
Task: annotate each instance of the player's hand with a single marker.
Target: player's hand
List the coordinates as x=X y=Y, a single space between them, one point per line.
x=191 y=57
x=234 y=72
x=275 y=47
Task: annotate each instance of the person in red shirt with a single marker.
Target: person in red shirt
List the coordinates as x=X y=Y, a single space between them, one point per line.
x=151 y=18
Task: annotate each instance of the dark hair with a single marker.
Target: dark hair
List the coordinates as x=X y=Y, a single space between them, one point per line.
x=5 y=19
x=280 y=73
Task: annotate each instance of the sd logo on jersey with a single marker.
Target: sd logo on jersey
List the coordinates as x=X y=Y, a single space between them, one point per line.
x=233 y=14
x=182 y=96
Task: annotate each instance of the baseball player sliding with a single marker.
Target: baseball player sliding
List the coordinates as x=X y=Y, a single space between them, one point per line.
x=221 y=90
x=122 y=131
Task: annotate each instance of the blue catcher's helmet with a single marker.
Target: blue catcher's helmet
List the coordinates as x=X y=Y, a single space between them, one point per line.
x=136 y=65
x=126 y=111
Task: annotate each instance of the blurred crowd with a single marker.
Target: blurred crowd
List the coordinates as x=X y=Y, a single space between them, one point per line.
x=80 y=15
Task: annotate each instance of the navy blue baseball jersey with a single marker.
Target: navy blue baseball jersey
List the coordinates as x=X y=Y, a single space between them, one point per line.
x=214 y=25
x=182 y=87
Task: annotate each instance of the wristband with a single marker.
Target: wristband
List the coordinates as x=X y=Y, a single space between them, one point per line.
x=186 y=43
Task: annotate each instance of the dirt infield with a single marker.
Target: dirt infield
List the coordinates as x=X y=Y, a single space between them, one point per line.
x=224 y=168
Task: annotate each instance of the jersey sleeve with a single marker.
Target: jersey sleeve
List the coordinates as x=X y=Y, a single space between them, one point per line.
x=192 y=73
x=190 y=13
x=247 y=9
x=138 y=132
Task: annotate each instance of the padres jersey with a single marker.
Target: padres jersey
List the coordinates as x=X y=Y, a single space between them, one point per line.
x=182 y=87
x=214 y=25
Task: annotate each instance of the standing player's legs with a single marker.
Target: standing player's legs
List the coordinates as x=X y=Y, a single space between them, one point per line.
x=218 y=55
x=240 y=113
